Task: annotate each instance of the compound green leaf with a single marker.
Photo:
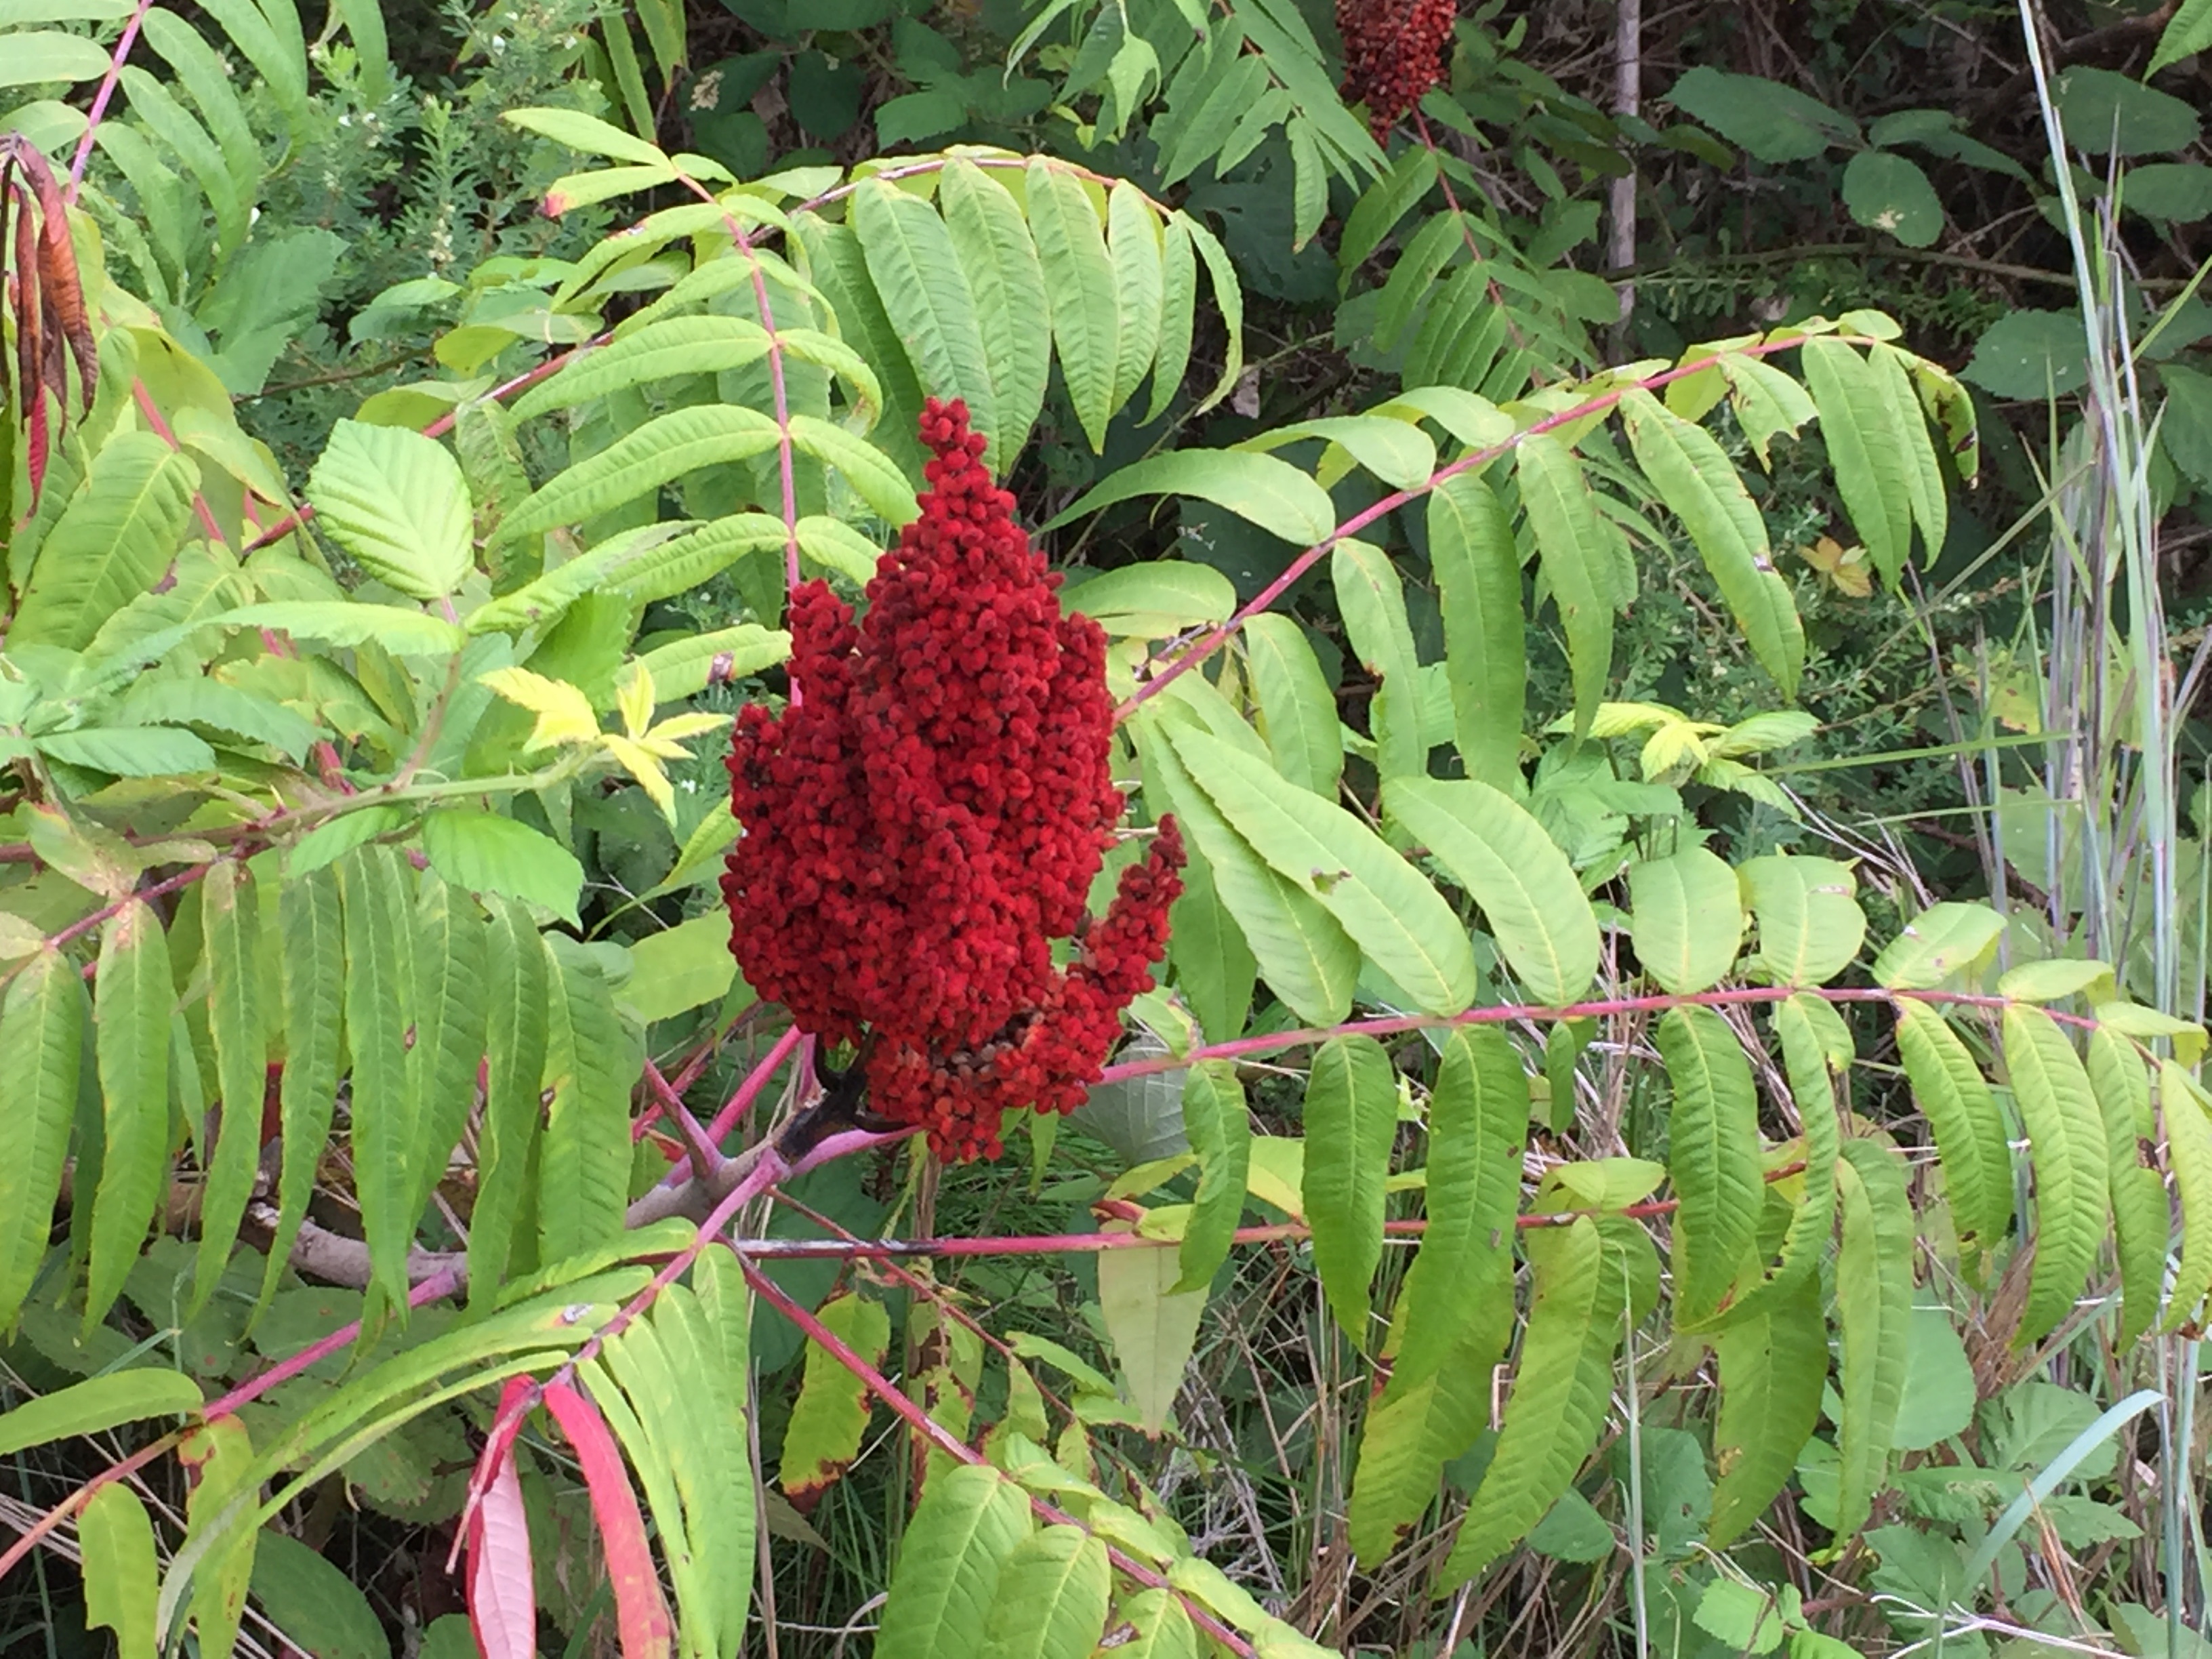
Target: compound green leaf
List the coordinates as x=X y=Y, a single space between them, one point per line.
x=1941 y=941
x=97 y=1405
x=1052 y=1597
x=121 y=1581
x=1700 y=487
x=398 y=502
x=1297 y=714
x=1868 y=460
x=230 y=924
x=1810 y=926
x=920 y=276
x=41 y=1053
x=665 y=349
x=1578 y=559
x=515 y=973
x=1561 y=1393
x=1712 y=1157
x=1478 y=1124
x=1352 y=1119
x=1079 y=278
x=113 y=541
x=641 y=460
x=1215 y=1118
x=2189 y=1146
x=2141 y=1216
x=1259 y=489
x=313 y=974
x=1011 y=304
x=1874 y=1314
x=1515 y=872
x=132 y=998
x=590 y=1060
x=1306 y=955
x=374 y=898
x=831 y=1412
x=1970 y=1131
x=1685 y=916
x=1381 y=901
x=1478 y=570
x=969 y=1522
x=1773 y=1364
x=2066 y=1144
x=449 y=1030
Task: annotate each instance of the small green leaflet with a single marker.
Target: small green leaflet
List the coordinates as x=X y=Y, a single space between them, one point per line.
x=970 y=1521
x=1576 y=557
x=1686 y=919
x=832 y=1410
x=1970 y=1131
x=1873 y=1311
x=2142 y=1214
x=1215 y=1118
x=1772 y=1365
x=97 y=1405
x=1810 y=926
x=1942 y=941
x=1713 y=1158
x=1352 y=1118
x=2066 y=1143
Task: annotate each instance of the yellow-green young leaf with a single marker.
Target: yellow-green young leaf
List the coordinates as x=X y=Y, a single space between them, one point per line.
x=1908 y=426
x=1132 y=243
x=41 y=1049
x=1873 y=1315
x=1151 y=1325
x=1942 y=940
x=449 y=1029
x=219 y=1456
x=1078 y=275
x=662 y=349
x=680 y=968
x=2052 y=981
x=918 y=274
x=1012 y=305
x=1578 y=559
x=1156 y=599
x=1352 y=1118
x=832 y=1409
x=1712 y=1157
x=230 y=927
x=590 y=1060
x=1158 y=1625
x=969 y=1522
x=132 y=1000
x=1051 y=1599
x=1411 y=1433
x=1220 y=1130
x=112 y=542
x=1396 y=451
x=377 y=999
x=1773 y=1364
x=1868 y=458
x=120 y=1582
x=2142 y=1216
x=1810 y=926
x=2066 y=1145
x=2188 y=1145
x=685 y=667
x=492 y=854
x=95 y=1406
x=1373 y=603
x=1297 y=714
x=1970 y=1131
x=1478 y=571
x=1304 y=954
x=1561 y=1390
x=311 y=974
x=1259 y=489
x=1700 y=487
x=641 y=461
x=1686 y=915
x=1381 y=901
x=1463 y=1271
x=397 y=502
x=1515 y=874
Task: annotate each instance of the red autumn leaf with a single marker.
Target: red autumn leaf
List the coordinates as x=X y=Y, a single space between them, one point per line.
x=640 y=1615
x=502 y=1590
